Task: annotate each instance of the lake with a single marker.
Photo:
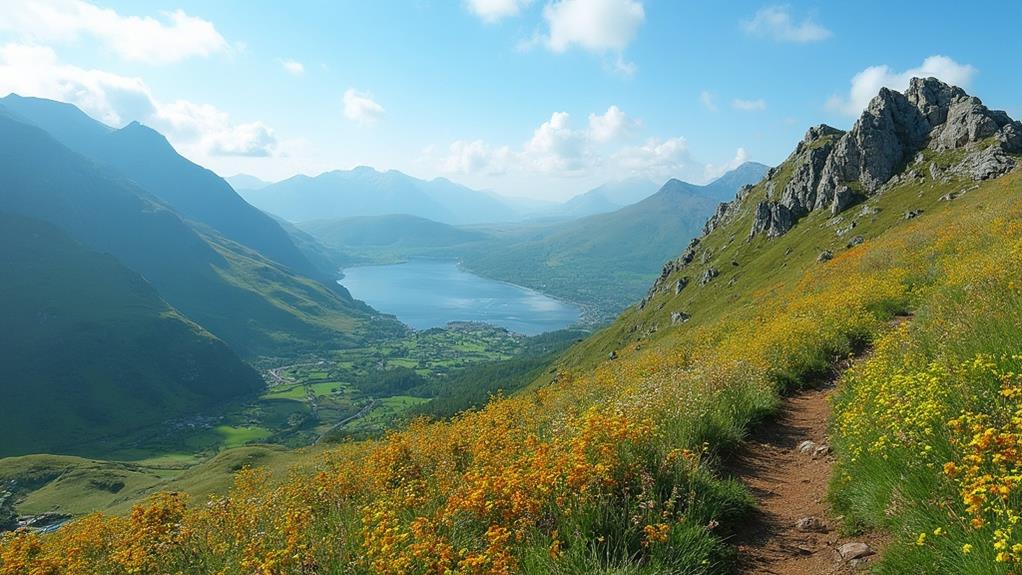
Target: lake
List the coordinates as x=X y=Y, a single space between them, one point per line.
x=426 y=293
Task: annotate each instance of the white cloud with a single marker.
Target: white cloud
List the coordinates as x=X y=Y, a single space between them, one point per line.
x=491 y=11
x=360 y=107
x=713 y=171
x=596 y=151
x=867 y=83
x=612 y=125
x=200 y=129
x=656 y=157
x=476 y=157
x=557 y=148
x=594 y=25
x=777 y=23
x=174 y=37
x=293 y=67
x=708 y=100
x=749 y=105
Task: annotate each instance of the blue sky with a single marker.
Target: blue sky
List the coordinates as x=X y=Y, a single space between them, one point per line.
x=532 y=98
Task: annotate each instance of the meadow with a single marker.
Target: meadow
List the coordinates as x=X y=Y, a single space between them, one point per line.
x=614 y=466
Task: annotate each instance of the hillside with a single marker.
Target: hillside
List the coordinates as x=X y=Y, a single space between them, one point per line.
x=392 y=231
x=364 y=191
x=607 y=198
x=603 y=261
x=96 y=351
x=144 y=156
x=257 y=306
x=617 y=467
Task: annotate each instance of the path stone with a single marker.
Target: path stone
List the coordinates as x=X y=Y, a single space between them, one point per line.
x=855 y=550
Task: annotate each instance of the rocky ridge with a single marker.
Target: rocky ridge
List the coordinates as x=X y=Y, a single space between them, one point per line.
x=890 y=143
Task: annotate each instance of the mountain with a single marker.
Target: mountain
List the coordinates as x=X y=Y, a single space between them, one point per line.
x=865 y=293
x=604 y=261
x=257 y=305
x=388 y=231
x=364 y=191
x=91 y=348
x=607 y=198
x=144 y=156
x=246 y=182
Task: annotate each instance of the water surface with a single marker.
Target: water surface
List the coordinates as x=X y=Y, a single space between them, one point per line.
x=425 y=294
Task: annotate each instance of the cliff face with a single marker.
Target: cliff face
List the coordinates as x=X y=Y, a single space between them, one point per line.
x=932 y=130
x=834 y=170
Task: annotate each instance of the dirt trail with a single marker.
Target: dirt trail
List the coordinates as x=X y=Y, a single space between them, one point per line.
x=791 y=486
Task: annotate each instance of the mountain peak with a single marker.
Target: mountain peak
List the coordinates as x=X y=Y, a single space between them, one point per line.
x=832 y=169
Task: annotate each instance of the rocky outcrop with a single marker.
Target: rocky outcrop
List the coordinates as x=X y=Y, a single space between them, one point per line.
x=835 y=170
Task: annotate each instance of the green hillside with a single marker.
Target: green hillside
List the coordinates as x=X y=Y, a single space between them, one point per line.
x=91 y=349
x=144 y=156
x=258 y=306
x=605 y=261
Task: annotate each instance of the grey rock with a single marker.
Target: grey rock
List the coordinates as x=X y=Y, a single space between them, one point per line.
x=708 y=276
x=678 y=317
x=612 y=355
x=806 y=447
x=773 y=219
x=855 y=550
x=680 y=285
x=984 y=164
x=857 y=240
x=825 y=256
x=913 y=214
x=821 y=451
x=811 y=525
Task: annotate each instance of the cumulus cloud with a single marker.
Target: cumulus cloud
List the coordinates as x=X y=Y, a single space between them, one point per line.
x=361 y=108
x=656 y=157
x=175 y=36
x=556 y=147
x=116 y=100
x=594 y=25
x=476 y=157
x=611 y=125
x=749 y=105
x=708 y=100
x=866 y=84
x=777 y=23
x=293 y=67
x=491 y=11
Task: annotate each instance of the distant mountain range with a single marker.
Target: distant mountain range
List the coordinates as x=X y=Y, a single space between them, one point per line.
x=604 y=261
x=364 y=191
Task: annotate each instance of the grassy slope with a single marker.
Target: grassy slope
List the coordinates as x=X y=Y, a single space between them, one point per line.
x=92 y=349
x=613 y=469
x=256 y=305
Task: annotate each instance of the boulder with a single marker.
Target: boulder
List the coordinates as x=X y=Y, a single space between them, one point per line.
x=855 y=550
x=679 y=317
x=708 y=276
x=811 y=525
x=825 y=256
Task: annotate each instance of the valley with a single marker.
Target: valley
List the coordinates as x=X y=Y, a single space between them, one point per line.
x=496 y=288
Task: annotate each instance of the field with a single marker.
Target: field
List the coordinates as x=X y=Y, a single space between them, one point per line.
x=617 y=468
x=347 y=393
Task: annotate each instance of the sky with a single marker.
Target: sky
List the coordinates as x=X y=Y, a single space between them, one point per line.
x=533 y=98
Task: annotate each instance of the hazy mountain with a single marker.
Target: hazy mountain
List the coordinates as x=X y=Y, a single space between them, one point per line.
x=144 y=156
x=367 y=192
x=388 y=231
x=723 y=189
x=608 y=197
x=256 y=305
x=246 y=182
x=604 y=260
x=91 y=348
